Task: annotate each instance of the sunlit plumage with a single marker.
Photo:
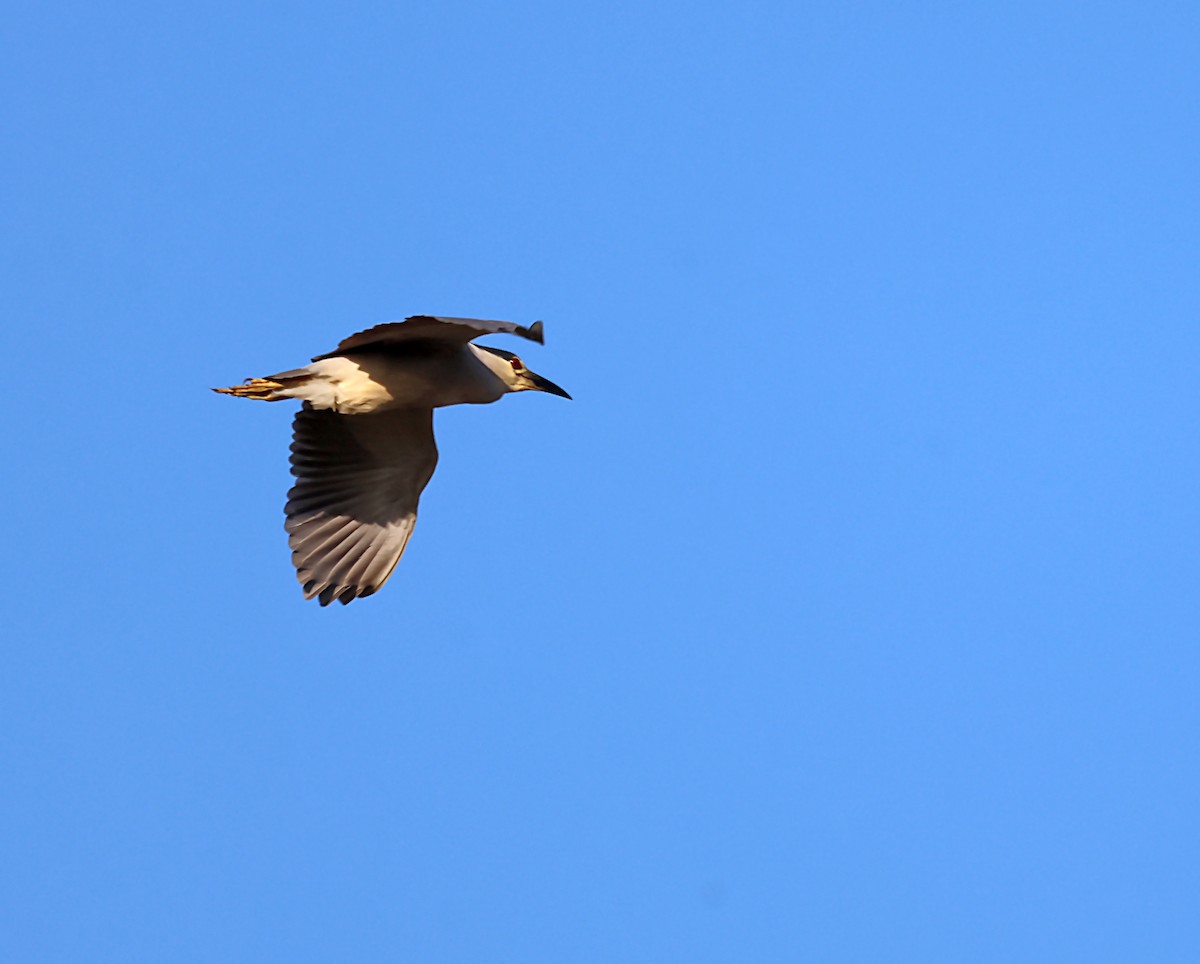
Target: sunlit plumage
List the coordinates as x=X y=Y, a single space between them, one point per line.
x=363 y=447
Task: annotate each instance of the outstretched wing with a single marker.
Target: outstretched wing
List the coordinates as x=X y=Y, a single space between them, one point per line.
x=450 y=331
x=354 y=504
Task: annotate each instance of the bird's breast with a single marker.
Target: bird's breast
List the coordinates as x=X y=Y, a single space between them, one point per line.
x=360 y=384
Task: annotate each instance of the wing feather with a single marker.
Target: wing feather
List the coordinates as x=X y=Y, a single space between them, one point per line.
x=353 y=507
x=450 y=332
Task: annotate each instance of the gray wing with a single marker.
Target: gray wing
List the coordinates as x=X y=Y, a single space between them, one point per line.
x=354 y=504
x=450 y=331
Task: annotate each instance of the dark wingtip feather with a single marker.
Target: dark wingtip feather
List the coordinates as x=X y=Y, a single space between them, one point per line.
x=353 y=506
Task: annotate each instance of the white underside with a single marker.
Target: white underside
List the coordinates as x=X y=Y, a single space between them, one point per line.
x=362 y=384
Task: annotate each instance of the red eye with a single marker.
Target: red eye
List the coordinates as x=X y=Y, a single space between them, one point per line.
x=516 y=364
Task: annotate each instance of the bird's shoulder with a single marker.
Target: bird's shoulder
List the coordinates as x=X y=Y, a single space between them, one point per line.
x=432 y=332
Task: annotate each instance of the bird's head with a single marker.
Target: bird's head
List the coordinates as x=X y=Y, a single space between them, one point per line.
x=512 y=372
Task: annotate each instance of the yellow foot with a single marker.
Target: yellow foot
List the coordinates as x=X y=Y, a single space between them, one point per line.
x=262 y=388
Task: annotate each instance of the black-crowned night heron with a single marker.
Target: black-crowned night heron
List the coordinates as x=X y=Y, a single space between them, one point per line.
x=363 y=449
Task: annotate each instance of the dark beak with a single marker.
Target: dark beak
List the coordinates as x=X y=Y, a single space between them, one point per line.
x=545 y=385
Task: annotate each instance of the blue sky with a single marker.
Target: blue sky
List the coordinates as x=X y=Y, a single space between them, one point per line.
x=847 y=614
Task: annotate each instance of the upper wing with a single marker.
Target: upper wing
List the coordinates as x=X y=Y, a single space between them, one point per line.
x=354 y=504
x=452 y=331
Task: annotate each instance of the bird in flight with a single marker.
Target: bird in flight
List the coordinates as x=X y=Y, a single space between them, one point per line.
x=362 y=442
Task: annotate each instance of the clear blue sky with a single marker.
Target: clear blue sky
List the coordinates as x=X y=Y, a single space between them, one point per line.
x=850 y=611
